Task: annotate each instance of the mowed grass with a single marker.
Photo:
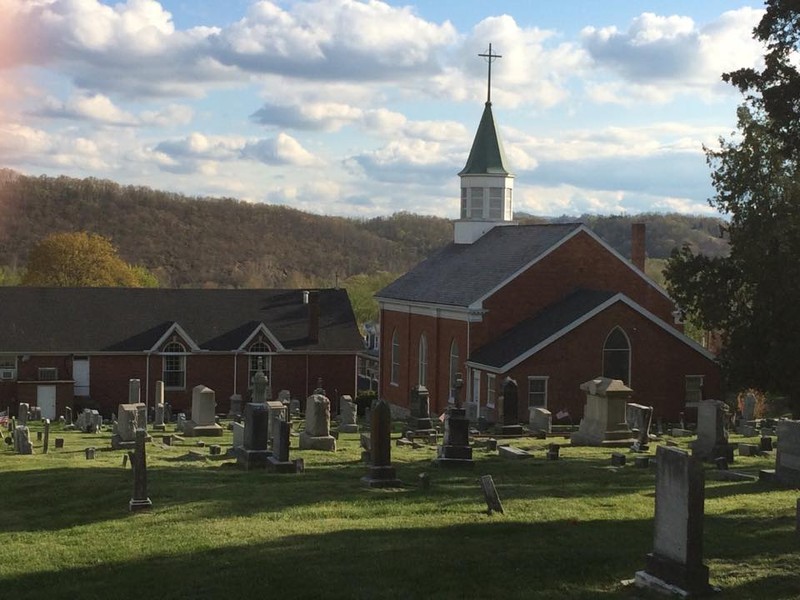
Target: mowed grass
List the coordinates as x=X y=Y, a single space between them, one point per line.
x=573 y=528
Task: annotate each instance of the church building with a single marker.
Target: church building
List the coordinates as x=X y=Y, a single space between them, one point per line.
x=550 y=306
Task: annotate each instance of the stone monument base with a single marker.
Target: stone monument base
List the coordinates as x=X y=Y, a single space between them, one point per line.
x=276 y=466
x=135 y=505
x=381 y=477
x=420 y=424
x=455 y=456
x=192 y=429
x=118 y=444
x=349 y=428
x=159 y=427
x=607 y=439
x=692 y=581
x=311 y=442
x=252 y=459
x=511 y=430
x=710 y=454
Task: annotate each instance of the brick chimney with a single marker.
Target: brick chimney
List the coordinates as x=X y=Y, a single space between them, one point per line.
x=638 y=251
x=312 y=299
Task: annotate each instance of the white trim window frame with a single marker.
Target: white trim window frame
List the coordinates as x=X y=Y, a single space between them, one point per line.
x=454 y=360
x=693 y=385
x=8 y=367
x=491 y=389
x=615 y=352
x=537 y=391
x=394 y=373
x=422 y=367
x=47 y=374
x=173 y=369
x=258 y=350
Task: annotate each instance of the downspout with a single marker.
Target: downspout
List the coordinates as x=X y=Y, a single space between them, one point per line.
x=235 y=368
x=147 y=384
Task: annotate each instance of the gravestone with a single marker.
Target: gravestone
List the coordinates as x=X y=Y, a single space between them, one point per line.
x=260 y=384
x=553 y=451
x=134 y=391
x=317 y=434
x=677 y=556
x=253 y=452
x=294 y=406
x=455 y=450
x=491 y=496
x=23 y=413
x=160 y=424
x=128 y=422
x=238 y=435
x=89 y=452
x=381 y=473
x=46 y=441
x=22 y=440
x=139 y=499
x=712 y=437
x=279 y=461
x=540 y=419
x=746 y=425
x=276 y=411
x=765 y=443
x=348 y=415
x=511 y=424
x=59 y=443
x=203 y=421
x=787 y=456
x=68 y=422
x=180 y=423
x=285 y=396
x=640 y=418
x=472 y=411
x=603 y=422
x=420 y=420
x=236 y=406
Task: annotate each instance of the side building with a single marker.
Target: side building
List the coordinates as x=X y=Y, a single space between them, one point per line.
x=550 y=306
x=79 y=346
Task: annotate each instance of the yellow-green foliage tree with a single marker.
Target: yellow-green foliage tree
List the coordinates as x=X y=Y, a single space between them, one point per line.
x=81 y=259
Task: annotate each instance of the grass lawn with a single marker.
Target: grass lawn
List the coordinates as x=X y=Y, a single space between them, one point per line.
x=573 y=528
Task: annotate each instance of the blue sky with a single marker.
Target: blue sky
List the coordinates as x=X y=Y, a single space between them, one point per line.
x=365 y=108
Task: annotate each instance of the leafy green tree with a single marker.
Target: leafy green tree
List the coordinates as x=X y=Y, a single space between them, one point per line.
x=753 y=294
x=361 y=290
x=82 y=259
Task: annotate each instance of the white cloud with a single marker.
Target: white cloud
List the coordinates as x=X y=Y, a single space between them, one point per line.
x=280 y=150
x=660 y=56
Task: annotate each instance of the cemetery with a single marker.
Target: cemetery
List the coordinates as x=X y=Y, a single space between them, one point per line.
x=331 y=504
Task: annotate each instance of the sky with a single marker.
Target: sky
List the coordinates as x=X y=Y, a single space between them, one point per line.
x=364 y=108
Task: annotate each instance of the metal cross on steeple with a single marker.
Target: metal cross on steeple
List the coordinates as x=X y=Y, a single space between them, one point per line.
x=490 y=58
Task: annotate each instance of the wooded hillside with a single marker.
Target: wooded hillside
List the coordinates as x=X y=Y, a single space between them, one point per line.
x=201 y=242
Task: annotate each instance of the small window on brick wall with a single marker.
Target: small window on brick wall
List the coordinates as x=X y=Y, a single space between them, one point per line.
x=47 y=374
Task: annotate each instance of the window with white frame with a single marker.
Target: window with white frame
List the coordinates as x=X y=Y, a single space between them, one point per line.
x=8 y=367
x=491 y=389
x=395 y=374
x=537 y=391
x=496 y=203
x=476 y=387
x=453 y=368
x=617 y=356
x=47 y=374
x=423 y=361
x=257 y=354
x=463 y=203
x=475 y=203
x=694 y=388
x=174 y=366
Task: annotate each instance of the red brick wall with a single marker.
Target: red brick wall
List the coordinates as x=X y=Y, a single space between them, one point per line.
x=440 y=334
x=109 y=375
x=580 y=262
x=659 y=364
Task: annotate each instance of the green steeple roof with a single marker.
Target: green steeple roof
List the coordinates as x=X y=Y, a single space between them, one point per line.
x=487 y=156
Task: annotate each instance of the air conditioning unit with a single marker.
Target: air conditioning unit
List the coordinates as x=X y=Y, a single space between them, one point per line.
x=8 y=373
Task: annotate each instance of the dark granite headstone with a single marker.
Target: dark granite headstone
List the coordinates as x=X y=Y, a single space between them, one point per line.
x=381 y=473
x=140 y=500
x=420 y=420
x=279 y=461
x=493 y=503
x=511 y=425
x=253 y=452
x=455 y=450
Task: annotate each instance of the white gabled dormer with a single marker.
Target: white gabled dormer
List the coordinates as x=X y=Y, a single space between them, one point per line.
x=487 y=184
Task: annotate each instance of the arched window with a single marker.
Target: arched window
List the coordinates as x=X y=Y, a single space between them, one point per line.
x=423 y=360
x=174 y=366
x=395 y=375
x=453 y=368
x=617 y=356
x=258 y=352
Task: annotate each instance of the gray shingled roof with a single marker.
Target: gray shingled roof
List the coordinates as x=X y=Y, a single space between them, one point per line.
x=123 y=319
x=460 y=274
x=531 y=332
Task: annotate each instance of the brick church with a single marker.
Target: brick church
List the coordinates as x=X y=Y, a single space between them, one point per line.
x=551 y=306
